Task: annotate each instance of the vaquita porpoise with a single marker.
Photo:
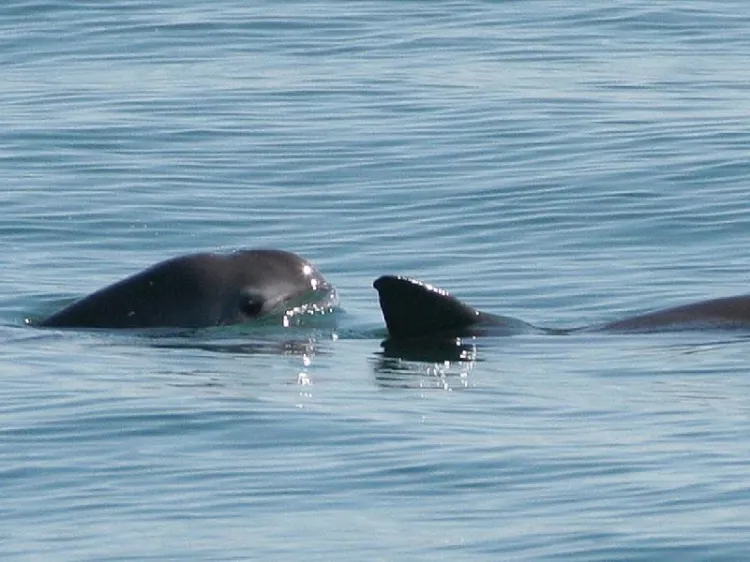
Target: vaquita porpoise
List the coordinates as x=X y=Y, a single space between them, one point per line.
x=414 y=309
x=207 y=289
x=203 y=290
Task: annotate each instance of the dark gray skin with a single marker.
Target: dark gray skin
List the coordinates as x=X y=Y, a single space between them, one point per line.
x=413 y=310
x=202 y=290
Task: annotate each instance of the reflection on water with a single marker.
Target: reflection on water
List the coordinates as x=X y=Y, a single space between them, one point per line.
x=431 y=349
x=441 y=364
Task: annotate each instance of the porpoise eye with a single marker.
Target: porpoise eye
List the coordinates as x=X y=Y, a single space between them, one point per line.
x=251 y=305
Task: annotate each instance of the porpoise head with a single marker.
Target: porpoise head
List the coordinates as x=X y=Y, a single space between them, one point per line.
x=203 y=290
x=275 y=282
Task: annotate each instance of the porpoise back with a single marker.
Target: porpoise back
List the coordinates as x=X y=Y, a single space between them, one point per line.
x=726 y=313
x=414 y=309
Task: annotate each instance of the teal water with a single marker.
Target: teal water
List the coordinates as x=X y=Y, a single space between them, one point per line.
x=558 y=163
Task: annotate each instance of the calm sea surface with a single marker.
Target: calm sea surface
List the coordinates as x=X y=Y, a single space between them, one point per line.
x=563 y=164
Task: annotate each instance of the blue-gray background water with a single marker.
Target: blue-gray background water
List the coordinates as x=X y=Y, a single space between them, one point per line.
x=565 y=164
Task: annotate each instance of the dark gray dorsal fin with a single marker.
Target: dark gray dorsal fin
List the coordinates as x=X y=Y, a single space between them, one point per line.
x=414 y=309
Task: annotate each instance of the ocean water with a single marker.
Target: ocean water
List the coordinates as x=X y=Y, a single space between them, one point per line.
x=565 y=164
